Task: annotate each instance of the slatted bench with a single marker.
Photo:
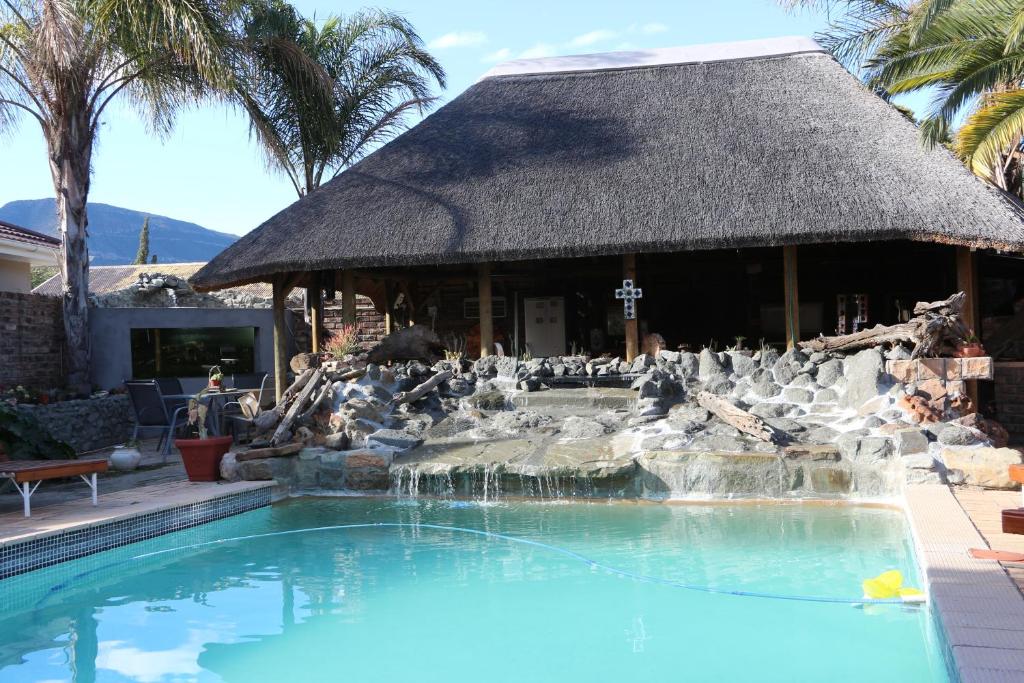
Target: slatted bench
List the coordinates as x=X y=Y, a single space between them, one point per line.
x=24 y=472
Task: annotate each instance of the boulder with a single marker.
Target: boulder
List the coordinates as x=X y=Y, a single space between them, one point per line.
x=418 y=342
x=488 y=398
x=828 y=372
x=718 y=385
x=304 y=361
x=865 y=375
x=669 y=356
x=393 y=438
x=957 y=435
x=770 y=409
x=910 y=441
x=864 y=449
x=581 y=428
x=828 y=395
x=742 y=364
x=922 y=468
x=794 y=395
x=229 y=467
x=765 y=386
x=983 y=466
x=688 y=365
x=709 y=365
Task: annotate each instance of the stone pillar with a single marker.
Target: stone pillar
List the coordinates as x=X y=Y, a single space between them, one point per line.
x=280 y=338
x=791 y=295
x=967 y=282
x=632 y=326
x=486 y=312
x=348 y=297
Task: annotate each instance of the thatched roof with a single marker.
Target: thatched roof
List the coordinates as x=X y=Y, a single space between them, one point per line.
x=741 y=145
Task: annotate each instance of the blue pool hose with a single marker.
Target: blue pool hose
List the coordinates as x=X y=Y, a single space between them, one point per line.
x=512 y=539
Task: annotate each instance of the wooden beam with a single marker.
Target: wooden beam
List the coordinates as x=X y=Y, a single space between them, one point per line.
x=967 y=282
x=280 y=352
x=632 y=326
x=486 y=310
x=316 y=317
x=792 y=296
x=389 y=309
x=348 y=297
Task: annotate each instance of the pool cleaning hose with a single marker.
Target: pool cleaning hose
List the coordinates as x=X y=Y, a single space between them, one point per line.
x=888 y=600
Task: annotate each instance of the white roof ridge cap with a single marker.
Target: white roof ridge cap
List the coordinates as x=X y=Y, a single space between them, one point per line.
x=687 y=54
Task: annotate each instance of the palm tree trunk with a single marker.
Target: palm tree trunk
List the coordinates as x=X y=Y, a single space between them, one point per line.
x=70 y=148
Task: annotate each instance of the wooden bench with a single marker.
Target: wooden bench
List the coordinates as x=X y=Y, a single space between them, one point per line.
x=24 y=472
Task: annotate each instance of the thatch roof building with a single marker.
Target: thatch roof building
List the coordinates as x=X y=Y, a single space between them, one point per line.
x=741 y=145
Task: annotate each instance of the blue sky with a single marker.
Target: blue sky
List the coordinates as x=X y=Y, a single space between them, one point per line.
x=210 y=172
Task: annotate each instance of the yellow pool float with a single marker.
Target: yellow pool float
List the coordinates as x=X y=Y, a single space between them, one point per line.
x=889 y=586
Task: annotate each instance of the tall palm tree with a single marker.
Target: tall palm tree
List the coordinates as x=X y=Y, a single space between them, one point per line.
x=969 y=54
x=63 y=62
x=320 y=95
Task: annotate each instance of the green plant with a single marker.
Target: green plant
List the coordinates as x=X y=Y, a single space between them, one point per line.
x=22 y=437
x=739 y=342
x=342 y=342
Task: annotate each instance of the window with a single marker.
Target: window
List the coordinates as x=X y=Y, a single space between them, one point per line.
x=190 y=352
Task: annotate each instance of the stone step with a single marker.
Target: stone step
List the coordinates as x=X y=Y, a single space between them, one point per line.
x=605 y=398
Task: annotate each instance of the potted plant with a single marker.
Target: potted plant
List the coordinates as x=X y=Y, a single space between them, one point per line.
x=202 y=453
x=970 y=348
x=126 y=457
x=216 y=376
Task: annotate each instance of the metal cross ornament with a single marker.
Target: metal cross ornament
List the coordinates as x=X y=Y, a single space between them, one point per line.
x=629 y=294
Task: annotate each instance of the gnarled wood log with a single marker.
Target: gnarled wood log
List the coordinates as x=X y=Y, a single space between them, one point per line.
x=272 y=452
x=422 y=390
x=296 y=407
x=935 y=329
x=739 y=418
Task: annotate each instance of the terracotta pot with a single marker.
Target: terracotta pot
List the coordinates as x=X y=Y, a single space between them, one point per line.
x=202 y=456
x=972 y=350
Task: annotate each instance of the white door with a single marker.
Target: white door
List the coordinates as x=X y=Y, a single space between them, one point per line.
x=545 y=326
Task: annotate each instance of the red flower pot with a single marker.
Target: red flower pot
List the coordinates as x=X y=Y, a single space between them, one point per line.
x=971 y=350
x=202 y=456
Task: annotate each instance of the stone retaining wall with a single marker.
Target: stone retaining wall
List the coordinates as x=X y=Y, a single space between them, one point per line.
x=32 y=330
x=87 y=424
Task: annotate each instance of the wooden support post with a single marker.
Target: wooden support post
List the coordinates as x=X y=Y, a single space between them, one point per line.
x=389 y=310
x=792 y=296
x=486 y=311
x=280 y=341
x=967 y=282
x=632 y=326
x=314 y=300
x=348 y=297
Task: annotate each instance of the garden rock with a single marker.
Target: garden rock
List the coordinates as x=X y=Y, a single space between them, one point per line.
x=957 y=435
x=709 y=365
x=865 y=373
x=798 y=395
x=983 y=466
x=829 y=372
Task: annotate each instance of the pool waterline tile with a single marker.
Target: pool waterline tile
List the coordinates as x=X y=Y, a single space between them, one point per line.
x=67 y=532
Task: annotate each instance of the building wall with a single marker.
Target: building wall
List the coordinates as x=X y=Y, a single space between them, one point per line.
x=31 y=341
x=369 y=323
x=15 y=276
x=110 y=332
x=1009 y=393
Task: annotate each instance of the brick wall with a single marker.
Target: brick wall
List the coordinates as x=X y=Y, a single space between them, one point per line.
x=369 y=323
x=1009 y=381
x=31 y=341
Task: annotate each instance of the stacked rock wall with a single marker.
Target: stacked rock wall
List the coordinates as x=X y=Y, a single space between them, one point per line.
x=87 y=424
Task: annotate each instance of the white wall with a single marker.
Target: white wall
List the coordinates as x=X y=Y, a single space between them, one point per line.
x=15 y=276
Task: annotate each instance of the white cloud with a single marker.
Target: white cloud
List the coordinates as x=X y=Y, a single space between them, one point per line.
x=592 y=37
x=653 y=27
x=498 y=55
x=538 y=50
x=458 y=39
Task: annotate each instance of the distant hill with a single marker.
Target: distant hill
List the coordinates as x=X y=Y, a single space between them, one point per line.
x=114 y=232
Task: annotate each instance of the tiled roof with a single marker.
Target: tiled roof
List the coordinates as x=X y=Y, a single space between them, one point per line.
x=10 y=231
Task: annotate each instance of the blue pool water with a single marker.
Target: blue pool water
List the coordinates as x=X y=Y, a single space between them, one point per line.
x=594 y=594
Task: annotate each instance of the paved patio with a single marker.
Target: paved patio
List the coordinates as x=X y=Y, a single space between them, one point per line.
x=152 y=470
x=985 y=508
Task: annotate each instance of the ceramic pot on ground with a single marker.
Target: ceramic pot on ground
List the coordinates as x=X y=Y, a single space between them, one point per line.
x=202 y=456
x=125 y=458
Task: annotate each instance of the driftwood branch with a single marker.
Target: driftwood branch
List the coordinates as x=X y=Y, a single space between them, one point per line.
x=296 y=386
x=296 y=407
x=272 y=452
x=739 y=418
x=935 y=329
x=422 y=390
x=317 y=402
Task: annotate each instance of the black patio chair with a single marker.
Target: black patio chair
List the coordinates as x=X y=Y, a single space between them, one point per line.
x=171 y=390
x=152 y=412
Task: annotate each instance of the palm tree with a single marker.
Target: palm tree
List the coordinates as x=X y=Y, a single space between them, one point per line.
x=320 y=95
x=969 y=54
x=63 y=62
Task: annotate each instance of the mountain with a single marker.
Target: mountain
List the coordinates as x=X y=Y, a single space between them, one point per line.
x=114 y=232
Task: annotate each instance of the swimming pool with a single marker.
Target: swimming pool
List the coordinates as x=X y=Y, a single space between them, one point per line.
x=561 y=591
